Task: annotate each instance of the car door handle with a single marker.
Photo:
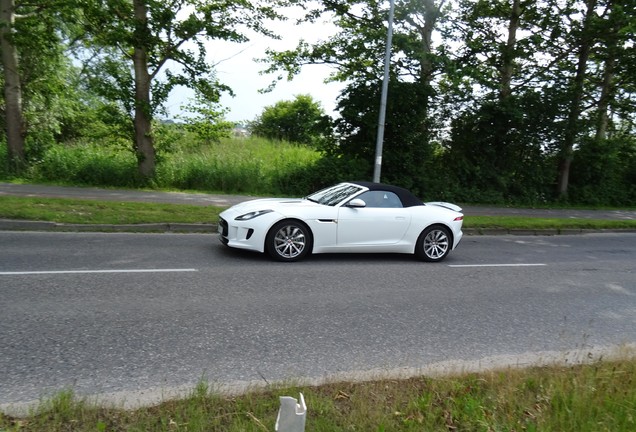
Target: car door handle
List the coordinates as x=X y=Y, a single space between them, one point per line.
x=400 y=218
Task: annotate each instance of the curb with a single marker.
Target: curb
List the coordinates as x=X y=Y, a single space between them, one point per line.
x=26 y=225
x=22 y=225
x=543 y=232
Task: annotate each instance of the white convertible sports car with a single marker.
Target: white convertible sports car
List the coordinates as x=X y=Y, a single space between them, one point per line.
x=348 y=217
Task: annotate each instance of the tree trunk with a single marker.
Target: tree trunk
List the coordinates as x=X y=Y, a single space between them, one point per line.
x=144 y=146
x=571 y=131
x=604 y=101
x=508 y=55
x=612 y=38
x=15 y=127
x=431 y=15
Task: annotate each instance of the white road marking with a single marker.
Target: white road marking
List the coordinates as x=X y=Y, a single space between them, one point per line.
x=21 y=273
x=497 y=265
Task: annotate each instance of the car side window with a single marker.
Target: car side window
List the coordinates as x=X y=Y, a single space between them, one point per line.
x=381 y=199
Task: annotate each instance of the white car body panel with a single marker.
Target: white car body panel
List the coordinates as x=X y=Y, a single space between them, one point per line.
x=340 y=228
x=449 y=206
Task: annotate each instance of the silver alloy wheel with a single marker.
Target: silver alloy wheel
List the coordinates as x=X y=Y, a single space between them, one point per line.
x=290 y=241
x=436 y=244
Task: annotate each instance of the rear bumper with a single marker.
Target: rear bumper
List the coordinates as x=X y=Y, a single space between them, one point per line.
x=458 y=238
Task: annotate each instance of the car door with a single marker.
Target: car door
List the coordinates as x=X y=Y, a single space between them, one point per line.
x=382 y=221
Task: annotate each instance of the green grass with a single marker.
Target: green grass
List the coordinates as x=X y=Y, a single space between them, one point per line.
x=595 y=397
x=253 y=165
x=535 y=223
x=77 y=211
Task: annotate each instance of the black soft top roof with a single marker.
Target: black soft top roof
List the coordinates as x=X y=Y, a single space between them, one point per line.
x=407 y=198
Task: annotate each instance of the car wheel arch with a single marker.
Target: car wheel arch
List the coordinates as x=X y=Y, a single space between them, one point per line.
x=277 y=225
x=418 y=244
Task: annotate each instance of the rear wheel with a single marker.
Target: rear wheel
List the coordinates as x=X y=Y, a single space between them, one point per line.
x=434 y=244
x=288 y=240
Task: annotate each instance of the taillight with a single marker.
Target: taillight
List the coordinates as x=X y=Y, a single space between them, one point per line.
x=458 y=218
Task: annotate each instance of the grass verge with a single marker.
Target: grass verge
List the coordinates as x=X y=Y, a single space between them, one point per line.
x=520 y=222
x=76 y=211
x=594 y=397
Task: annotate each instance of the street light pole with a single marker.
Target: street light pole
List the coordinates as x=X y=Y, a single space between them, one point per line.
x=377 y=169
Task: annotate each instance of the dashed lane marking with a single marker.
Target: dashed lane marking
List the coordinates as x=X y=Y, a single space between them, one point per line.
x=22 y=273
x=497 y=265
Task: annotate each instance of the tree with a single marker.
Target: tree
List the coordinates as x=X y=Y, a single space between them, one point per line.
x=493 y=95
x=207 y=119
x=594 y=43
x=143 y=49
x=301 y=120
x=617 y=68
x=14 y=121
x=584 y=44
x=35 y=70
x=602 y=170
x=552 y=58
x=357 y=53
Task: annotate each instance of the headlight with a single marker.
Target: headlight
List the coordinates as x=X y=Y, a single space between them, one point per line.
x=252 y=215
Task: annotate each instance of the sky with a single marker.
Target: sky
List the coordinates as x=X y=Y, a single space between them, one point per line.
x=235 y=67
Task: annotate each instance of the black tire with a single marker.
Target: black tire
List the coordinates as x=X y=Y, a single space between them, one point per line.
x=434 y=244
x=288 y=240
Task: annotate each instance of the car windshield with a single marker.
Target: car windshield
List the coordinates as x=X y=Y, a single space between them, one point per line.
x=334 y=194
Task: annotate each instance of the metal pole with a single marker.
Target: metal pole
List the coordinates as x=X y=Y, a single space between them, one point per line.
x=385 y=89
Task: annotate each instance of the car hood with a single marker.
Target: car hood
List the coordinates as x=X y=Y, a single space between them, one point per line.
x=273 y=204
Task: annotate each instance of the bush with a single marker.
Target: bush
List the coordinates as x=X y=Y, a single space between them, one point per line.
x=87 y=165
x=208 y=173
x=602 y=172
x=263 y=167
x=323 y=172
x=236 y=166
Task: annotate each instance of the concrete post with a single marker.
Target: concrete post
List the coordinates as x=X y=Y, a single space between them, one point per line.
x=291 y=415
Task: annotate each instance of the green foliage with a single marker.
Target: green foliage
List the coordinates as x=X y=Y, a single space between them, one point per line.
x=300 y=121
x=87 y=165
x=99 y=122
x=252 y=165
x=45 y=73
x=357 y=51
x=484 y=112
x=497 y=152
x=113 y=32
x=5 y=172
x=143 y=50
x=604 y=172
x=300 y=179
x=593 y=397
x=497 y=89
x=408 y=155
x=74 y=211
x=206 y=119
x=249 y=166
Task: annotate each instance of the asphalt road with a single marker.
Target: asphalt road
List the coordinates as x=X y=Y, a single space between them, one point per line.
x=134 y=316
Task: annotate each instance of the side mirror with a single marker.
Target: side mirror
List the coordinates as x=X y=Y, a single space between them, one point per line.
x=356 y=203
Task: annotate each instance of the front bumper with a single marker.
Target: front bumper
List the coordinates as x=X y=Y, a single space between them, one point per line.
x=248 y=235
x=223 y=231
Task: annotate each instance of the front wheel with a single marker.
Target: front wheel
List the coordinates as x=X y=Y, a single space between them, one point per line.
x=288 y=240
x=434 y=244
